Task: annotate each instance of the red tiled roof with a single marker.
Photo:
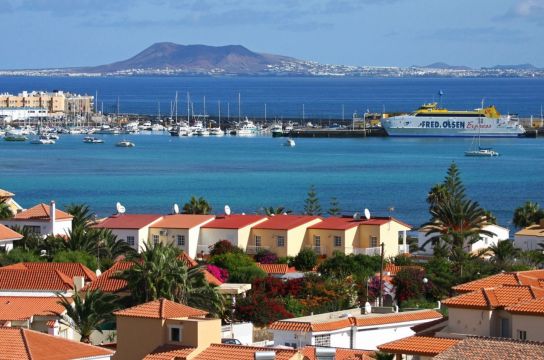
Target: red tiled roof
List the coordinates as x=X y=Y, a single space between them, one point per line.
x=38 y=280
x=419 y=345
x=240 y=352
x=51 y=323
x=161 y=309
x=394 y=269
x=495 y=298
x=210 y=278
x=182 y=221
x=276 y=269
x=493 y=348
x=531 y=307
x=41 y=212
x=128 y=221
x=285 y=222
x=235 y=221
x=68 y=269
x=344 y=223
x=189 y=261
x=107 y=281
x=364 y=320
x=341 y=354
x=24 y=307
x=530 y=277
x=170 y=352
x=7 y=234
x=21 y=344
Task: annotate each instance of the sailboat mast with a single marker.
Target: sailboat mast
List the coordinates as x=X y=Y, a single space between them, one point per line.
x=176 y=108
x=239 y=106
x=188 y=109
x=219 y=112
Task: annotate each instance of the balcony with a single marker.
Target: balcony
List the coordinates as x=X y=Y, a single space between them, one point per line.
x=367 y=251
x=404 y=249
x=202 y=248
x=253 y=249
x=319 y=250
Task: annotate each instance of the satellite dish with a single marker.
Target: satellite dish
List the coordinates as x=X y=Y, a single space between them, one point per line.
x=243 y=213
x=120 y=208
x=367 y=214
x=43 y=253
x=175 y=209
x=356 y=216
x=368 y=308
x=227 y=210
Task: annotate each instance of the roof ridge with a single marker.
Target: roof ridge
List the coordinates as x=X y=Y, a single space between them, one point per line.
x=505 y=339
x=25 y=342
x=487 y=296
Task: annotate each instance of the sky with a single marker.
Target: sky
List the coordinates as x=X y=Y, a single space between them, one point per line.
x=63 y=33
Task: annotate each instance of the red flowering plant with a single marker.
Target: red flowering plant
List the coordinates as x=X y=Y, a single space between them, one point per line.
x=220 y=273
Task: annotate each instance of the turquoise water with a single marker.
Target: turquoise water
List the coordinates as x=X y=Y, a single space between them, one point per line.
x=249 y=173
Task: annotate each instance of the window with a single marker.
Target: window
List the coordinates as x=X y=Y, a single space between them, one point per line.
x=181 y=240
x=337 y=241
x=505 y=328
x=317 y=241
x=322 y=340
x=130 y=240
x=155 y=239
x=175 y=334
x=522 y=335
x=293 y=345
x=257 y=241
x=373 y=241
x=281 y=241
x=33 y=229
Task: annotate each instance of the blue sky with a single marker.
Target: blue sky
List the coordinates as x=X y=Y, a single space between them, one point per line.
x=55 y=33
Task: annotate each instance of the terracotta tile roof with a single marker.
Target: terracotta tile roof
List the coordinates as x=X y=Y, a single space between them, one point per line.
x=235 y=221
x=107 y=281
x=38 y=280
x=361 y=321
x=161 y=309
x=530 y=277
x=189 y=261
x=182 y=221
x=68 y=269
x=210 y=278
x=286 y=222
x=276 y=269
x=493 y=348
x=240 y=352
x=5 y=193
x=41 y=212
x=394 y=269
x=495 y=298
x=532 y=307
x=23 y=308
x=170 y=352
x=533 y=230
x=128 y=221
x=20 y=344
x=51 y=323
x=7 y=234
x=431 y=326
x=341 y=354
x=347 y=222
x=418 y=345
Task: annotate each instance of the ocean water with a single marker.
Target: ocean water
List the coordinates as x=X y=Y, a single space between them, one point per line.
x=285 y=96
x=251 y=173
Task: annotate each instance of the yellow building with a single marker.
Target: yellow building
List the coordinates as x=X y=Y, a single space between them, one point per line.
x=57 y=102
x=358 y=236
x=283 y=235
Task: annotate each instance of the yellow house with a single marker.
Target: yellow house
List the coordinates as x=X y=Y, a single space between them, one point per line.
x=283 y=235
x=358 y=236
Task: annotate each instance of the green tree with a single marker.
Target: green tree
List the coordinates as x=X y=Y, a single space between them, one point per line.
x=18 y=255
x=241 y=267
x=311 y=204
x=341 y=266
x=528 y=214
x=504 y=253
x=83 y=216
x=224 y=247
x=31 y=241
x=89 y=312
x=305 y=260
x=280 y=210
x=197 y=206
x=384 y=356
x=110 y=248
x=5 y=211
x=76 y=257
x=334 y=209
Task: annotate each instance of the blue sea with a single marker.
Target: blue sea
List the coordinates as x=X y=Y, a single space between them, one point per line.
x=251 y=173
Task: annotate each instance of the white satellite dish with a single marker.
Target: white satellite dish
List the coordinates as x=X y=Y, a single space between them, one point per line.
x=367 y=214
x=227 y=210
x=356 y=216
x=120 y=208
x=175 y=208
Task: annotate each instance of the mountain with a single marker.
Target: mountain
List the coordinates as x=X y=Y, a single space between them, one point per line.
x=513 y=67
x=234 y=59
x=444 y=66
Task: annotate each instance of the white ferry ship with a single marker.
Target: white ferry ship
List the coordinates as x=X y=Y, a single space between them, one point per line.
x=431 y=121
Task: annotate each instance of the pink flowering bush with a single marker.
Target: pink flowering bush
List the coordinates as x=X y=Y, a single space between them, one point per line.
x=220 y=273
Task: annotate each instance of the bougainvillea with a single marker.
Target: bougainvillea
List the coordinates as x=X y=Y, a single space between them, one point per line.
x=220 y=273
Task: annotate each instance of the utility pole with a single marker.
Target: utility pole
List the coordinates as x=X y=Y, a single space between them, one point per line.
x=380 y=299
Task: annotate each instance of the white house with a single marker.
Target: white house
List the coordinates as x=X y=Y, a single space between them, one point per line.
x=132 y=228
x=530 y=237
x=7 y=237
x=348 y=329
x=500 y=234
x=42 y=219
x=234 y=228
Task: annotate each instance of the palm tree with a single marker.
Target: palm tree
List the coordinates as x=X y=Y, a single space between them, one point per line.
x=5 y=210
x=504 y=252
x=158 y=272
x=528 y=214
x=83 y=216
x=81 y=239
x=110 y=247
x=276 y=211
x=197 y=206
x=88 y=313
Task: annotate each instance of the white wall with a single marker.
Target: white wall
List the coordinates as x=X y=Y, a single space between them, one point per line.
x=369 y=339
x=292 y=337
x=211 y=236
x=192 y=241
x=6 y=245
x=61 y=227
x=528 y=242
x=33 y=293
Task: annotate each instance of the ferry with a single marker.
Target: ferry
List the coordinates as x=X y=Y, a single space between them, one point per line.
x=432 y=121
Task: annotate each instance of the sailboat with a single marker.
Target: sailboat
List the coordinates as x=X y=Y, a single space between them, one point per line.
x=480 y=151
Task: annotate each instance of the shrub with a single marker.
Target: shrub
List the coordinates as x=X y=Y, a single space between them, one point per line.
x=306 y=260
x=19 y=255
x=78 y=257
x=220 y=273
x=246 y=274
x=266 y=257
x=341 y=266
x=224 y=247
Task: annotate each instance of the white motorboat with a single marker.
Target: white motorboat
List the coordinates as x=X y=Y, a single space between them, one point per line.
x=125 y=143
x=289 y=143
x=92 y=140
x=43 y=140
x=247 y=128
x=216 y=132
x=482 y=152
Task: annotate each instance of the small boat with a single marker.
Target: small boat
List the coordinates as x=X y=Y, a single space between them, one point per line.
x=216 y=132
x=290 y=143
x=15 y=138
x=92 y=140
x=482 y=152
x=43 y=140
x=125 y=143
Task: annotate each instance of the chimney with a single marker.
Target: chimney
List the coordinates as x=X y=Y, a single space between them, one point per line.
x=52 y=216
x=79 y=282
x=325 y=353
x=265 y=355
